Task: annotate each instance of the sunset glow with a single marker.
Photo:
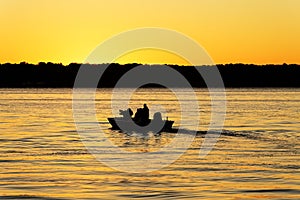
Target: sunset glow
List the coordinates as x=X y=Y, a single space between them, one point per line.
x=232 y=31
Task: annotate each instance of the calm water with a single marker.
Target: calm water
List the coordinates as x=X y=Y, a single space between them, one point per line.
x=42 y=156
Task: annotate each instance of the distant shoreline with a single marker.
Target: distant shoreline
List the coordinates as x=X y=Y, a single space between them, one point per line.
x=50 y=75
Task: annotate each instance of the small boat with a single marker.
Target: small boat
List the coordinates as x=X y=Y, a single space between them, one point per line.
x=130 y=125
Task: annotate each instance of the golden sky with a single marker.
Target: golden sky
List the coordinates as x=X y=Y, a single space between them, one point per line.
x=247 y=31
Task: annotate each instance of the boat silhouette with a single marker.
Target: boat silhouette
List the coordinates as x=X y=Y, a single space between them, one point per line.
x=129 y=125
x=141 y=122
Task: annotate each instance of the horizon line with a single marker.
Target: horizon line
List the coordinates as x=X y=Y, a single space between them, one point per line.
x=130 y=63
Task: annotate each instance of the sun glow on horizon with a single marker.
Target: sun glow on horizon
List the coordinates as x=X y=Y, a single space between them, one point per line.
x=60 y=31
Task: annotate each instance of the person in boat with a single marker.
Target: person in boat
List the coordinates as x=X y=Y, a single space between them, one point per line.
x=145 y=112
x=157 y=117
x=138 y=115
x=126 y=113
x=142 y=115
x=157 y=120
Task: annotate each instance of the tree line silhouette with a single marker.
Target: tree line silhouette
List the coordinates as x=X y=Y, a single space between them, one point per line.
x=51 y=75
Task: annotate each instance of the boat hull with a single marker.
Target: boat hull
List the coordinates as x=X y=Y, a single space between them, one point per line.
x=129 y=125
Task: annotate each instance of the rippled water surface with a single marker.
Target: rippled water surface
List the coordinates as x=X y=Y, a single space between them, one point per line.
x=43 y=157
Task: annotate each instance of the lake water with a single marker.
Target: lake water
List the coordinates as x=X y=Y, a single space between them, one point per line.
x=258 y=156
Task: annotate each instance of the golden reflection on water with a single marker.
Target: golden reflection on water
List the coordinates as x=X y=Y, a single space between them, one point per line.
x=42 y=156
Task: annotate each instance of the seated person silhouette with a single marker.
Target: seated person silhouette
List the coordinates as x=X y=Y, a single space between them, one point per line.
x=138 y=115
x=157 y=122
x=157 y=117
x=141 y=116
x=126 y=113
x=145 y=113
